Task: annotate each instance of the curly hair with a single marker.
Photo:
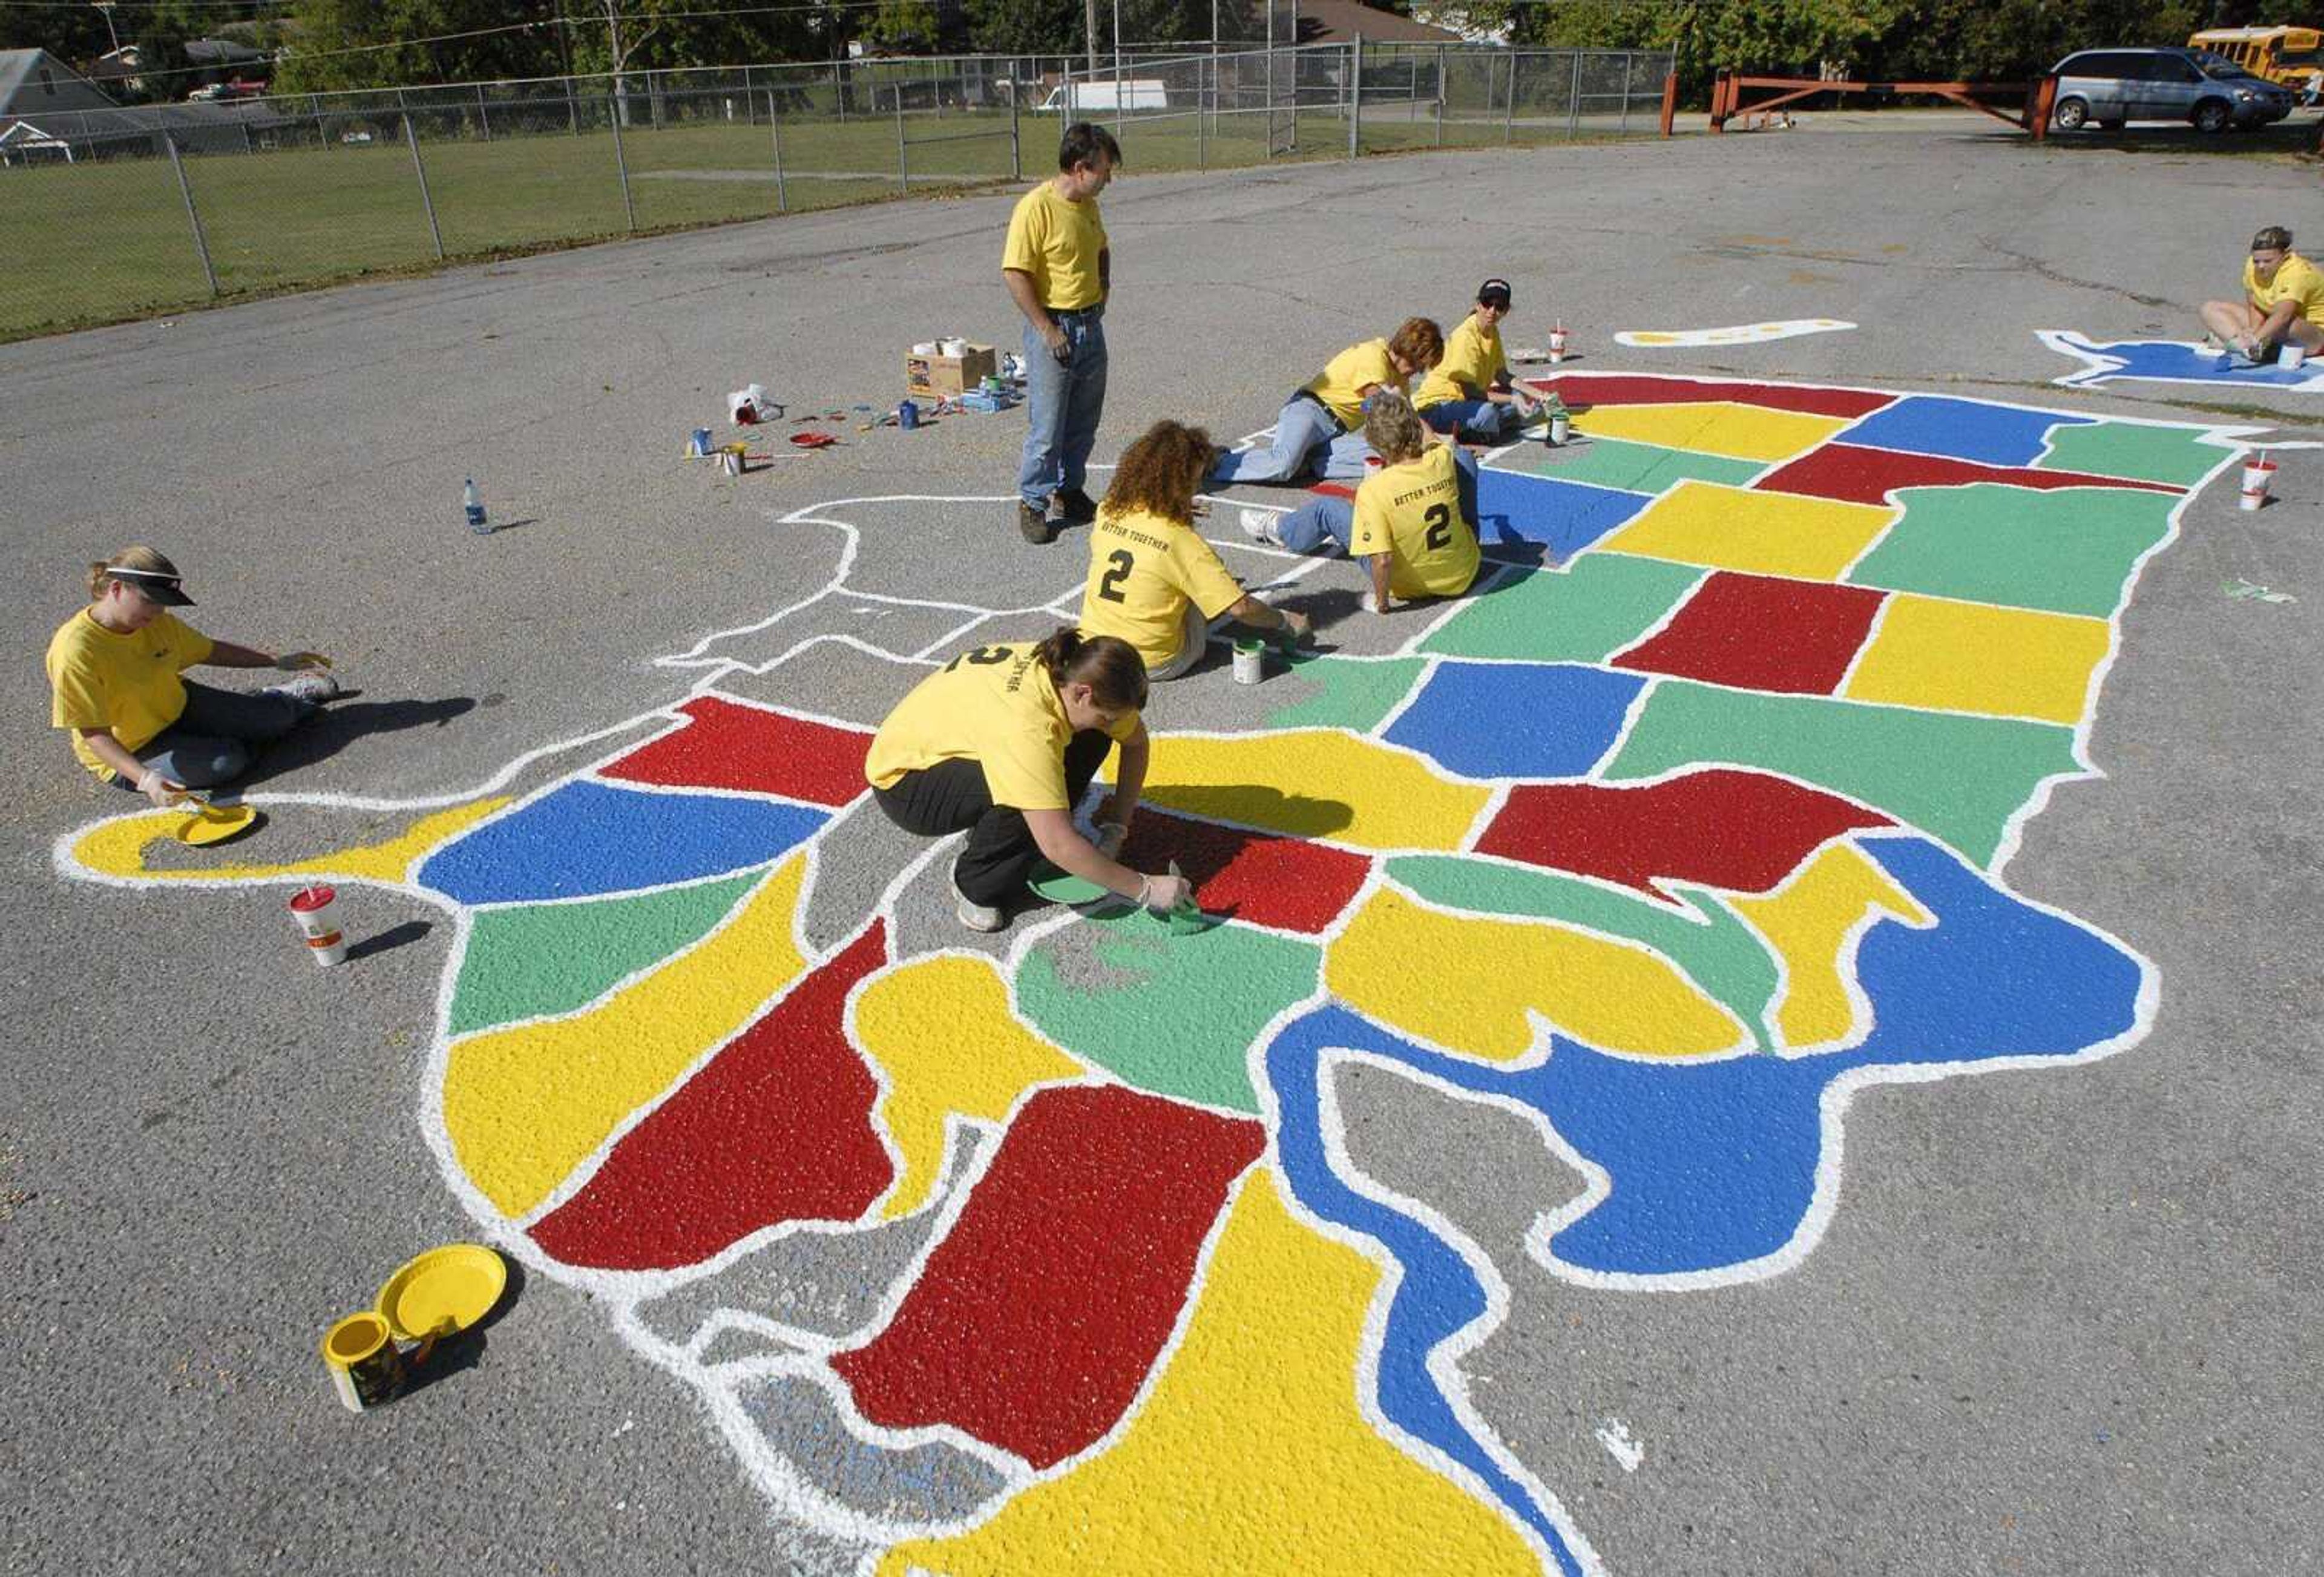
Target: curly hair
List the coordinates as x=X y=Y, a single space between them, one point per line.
x=1419 y=342
x=1393 y=428
x=1161 y=473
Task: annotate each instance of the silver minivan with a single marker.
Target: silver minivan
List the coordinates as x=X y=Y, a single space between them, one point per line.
x=2210 y=92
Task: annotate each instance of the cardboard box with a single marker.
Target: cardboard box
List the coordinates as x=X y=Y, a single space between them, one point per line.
x=940 y=375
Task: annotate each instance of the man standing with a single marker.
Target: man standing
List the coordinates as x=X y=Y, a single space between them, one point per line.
x=1058 y=271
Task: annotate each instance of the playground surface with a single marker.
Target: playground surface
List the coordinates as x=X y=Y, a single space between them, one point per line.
x=1771 y=1037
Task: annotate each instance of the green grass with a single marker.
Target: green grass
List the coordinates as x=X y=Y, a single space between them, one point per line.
x=98 y=242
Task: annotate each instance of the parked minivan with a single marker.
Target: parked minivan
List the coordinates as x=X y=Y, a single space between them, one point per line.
x=2208 y=91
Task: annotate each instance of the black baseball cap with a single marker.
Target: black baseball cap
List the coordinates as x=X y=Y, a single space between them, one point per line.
x=1494 y=292
x=156 y=584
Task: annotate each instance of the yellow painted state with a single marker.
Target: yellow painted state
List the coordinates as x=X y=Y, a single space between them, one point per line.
x=1761 y=533
x=1969 y=657
x=914 y=1022
x=1713 y=427
x=1467 y=983
x=1316 y=783
x=1250 y=1455
x=523 y=1106
x=117 y=848
x=1807 y=921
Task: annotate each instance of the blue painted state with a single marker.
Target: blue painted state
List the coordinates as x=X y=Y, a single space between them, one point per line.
x=1708 y=1166
x=588 y=837
x=1511 y=719
x=2171 y=361
x=1966 y=430
x=1527 y=517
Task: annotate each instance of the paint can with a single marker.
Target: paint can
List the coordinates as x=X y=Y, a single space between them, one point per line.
x=907 y=416
x=367 y=1368
x=316 y=909
x=2290 y=356
x=2259 y=475
x=1560 y=428
x=1249 y=661
x=730 y=460
x=697 y=445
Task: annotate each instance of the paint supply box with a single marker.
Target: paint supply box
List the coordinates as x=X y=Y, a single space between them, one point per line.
x=940 y=375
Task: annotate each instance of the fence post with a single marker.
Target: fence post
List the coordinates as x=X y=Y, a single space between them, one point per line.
x=420 y=172
x=1670 y=99
x=483 y=113
x=572 y=110
x=839 y=92
x=622 y=161
x=1510 y=103
x=1205 y=94
x=1440 y=95
x=193 y=215
x=903 y=164
x=1629 y=68
x=1355 y=96
x=1016 y=138
x=1573 y=101
x=775 y=125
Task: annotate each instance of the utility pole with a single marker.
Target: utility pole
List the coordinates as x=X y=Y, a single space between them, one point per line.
x=1089 y=27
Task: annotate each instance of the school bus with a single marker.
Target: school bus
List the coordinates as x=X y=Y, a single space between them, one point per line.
x=2293 y=56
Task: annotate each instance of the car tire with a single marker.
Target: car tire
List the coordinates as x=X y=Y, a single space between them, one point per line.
x=2071 y=115
x=2211 y=117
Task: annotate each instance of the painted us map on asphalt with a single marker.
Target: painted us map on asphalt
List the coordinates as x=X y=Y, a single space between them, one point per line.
x=1686 y=825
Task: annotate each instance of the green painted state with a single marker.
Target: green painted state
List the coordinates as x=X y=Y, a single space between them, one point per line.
x=2070 y=551
x=2125 y=449
x=1181 y=1018
x=1585 y=612
x=1705 y=940
x=1338 y=692
x=1959 y=779
x=1619 y=463
x=535 y=959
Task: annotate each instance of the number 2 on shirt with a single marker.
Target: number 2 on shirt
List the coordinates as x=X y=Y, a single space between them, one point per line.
x=1439 y=517
x=981 y=656
x=1120 y=564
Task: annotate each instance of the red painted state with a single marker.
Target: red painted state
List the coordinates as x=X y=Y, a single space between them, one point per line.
x=727 y=745
x=776 y=1128
x=1759 y=632
x=1286 y=882
x=1035 y=1322
x=1579 y=389
x=1856 y=475
x=1722 y=827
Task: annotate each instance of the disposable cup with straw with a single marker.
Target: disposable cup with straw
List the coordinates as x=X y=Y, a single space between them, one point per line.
x=2259 y=475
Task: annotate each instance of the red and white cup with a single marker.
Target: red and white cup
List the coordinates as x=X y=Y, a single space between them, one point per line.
x=2259 y=475
x=1557 y=344
x=316 y=908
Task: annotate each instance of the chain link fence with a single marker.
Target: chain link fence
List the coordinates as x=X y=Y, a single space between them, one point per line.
x=114 y=213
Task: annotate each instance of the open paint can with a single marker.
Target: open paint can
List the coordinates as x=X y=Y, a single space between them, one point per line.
x=1249 y=661
x=2290 y=356
x=366 y=1366
x=1560 y=428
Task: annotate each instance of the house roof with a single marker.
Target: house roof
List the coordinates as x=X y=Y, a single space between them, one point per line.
x=31 y=80
x=1338 y=22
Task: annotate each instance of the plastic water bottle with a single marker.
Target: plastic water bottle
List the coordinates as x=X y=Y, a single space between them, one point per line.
x=474 y=503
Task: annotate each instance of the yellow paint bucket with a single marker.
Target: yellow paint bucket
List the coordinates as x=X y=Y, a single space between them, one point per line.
x=366 y=1364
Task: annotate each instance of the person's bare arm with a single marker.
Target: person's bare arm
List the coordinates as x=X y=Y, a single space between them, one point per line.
x=230 y=654
x=1028 y=303
x=1261 y=615
x=162 y=791
x=1068 y=850
x=1378 y=565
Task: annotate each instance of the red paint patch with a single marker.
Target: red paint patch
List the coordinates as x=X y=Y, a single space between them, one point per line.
x=1856 y=475
x=727 y=745
x=1761 y=633
x=776 y=1128
x=1739 y=831
x=1036 y=1320
x=1288 y=883
x=1332 y=489
x=1585 y=389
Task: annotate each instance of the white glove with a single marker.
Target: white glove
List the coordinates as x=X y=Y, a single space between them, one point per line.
x=162 y=792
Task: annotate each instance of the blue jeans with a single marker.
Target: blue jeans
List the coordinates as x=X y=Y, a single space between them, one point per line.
x=211 y=742
x=1063 y=401
x=1476 y=421
x=1306 y=529
x=1304 y=427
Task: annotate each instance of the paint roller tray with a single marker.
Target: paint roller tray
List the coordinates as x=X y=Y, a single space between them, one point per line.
x=459 y=1282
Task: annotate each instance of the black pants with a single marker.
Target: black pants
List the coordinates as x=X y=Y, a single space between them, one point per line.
x=951 y=797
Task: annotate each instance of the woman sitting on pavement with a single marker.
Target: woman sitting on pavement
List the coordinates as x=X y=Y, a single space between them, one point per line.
x=1413 y=520
x=1001 y=743
x=1314 y=419
x=1153 y=581
x=2283 y=301
x=114 y=671
x=1467 y=393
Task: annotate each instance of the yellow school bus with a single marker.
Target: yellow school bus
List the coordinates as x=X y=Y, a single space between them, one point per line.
x=2293 y=56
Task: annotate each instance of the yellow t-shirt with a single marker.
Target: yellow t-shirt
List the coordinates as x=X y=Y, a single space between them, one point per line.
x=1144 y=569
x=1412 y=513
x=1472 y=359
x=996 y=706
x=129 y=683
x=1346 y=374
x=2296 y=278
x=1056 y=242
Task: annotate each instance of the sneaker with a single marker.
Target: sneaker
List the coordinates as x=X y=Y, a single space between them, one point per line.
x=1259 y=525
x=976 y=917
x=315 y=687
x=1077 y=507
x=1033 y=523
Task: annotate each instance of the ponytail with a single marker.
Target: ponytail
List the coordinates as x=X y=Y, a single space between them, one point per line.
x=1109 y=665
